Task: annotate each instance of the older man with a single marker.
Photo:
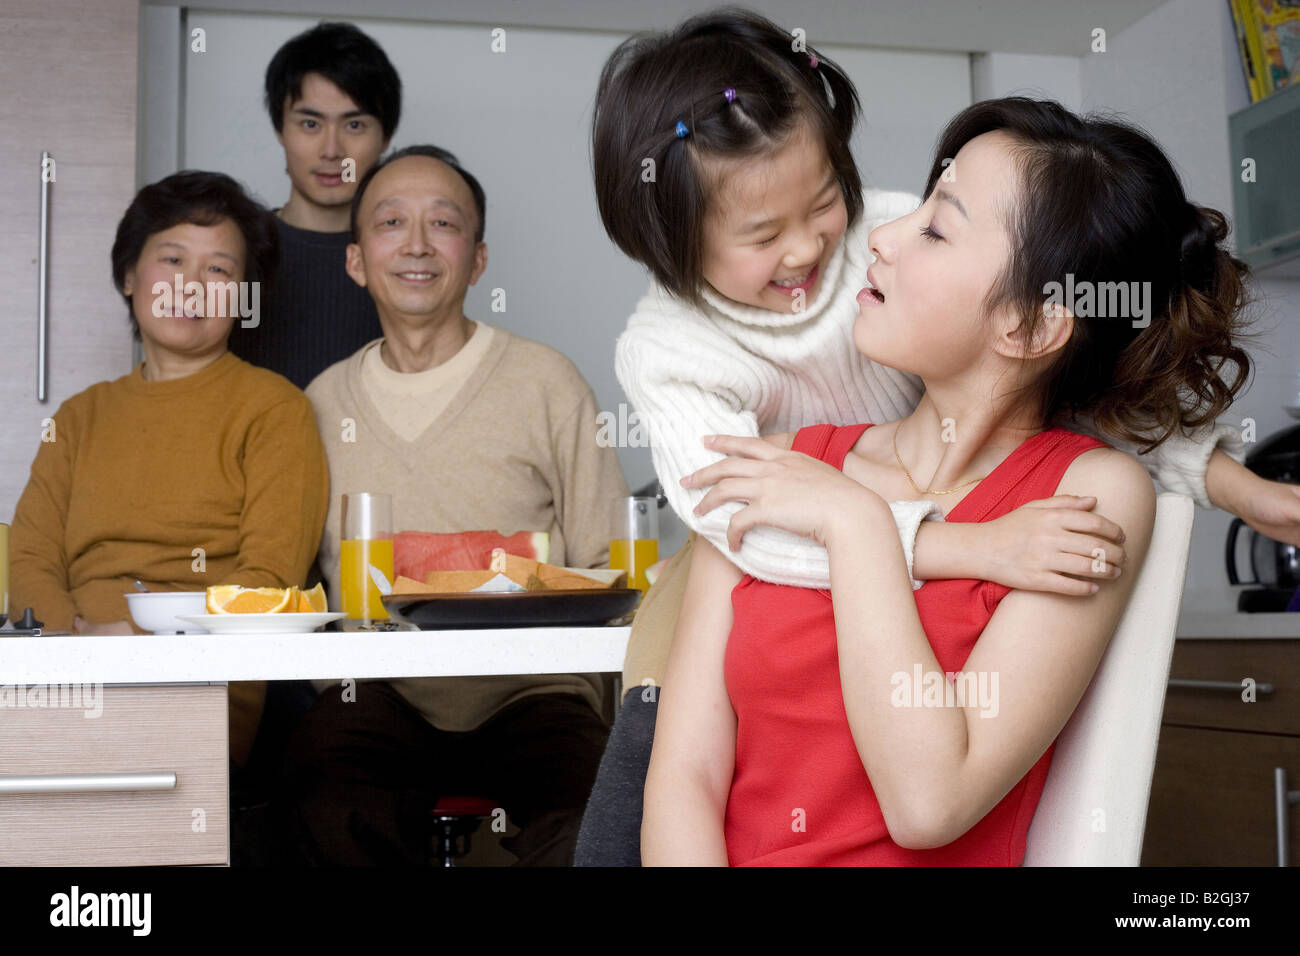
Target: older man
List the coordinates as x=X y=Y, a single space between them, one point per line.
x=468 y=427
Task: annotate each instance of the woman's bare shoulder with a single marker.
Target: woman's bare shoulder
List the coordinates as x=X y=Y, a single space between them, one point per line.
x=1121 y=485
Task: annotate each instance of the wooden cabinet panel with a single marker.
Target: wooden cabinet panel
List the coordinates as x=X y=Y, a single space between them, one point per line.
x=68 y=71
x=1273 y=661
x=1212 y=798
x=182 y=729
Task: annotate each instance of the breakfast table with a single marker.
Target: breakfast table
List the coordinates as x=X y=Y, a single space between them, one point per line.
x=126 y=736
x=218 y=658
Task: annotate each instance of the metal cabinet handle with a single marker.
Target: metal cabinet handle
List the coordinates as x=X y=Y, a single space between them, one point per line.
x=1261 y=687
x=42 y=287
x=1282 y=799
x=86 y=782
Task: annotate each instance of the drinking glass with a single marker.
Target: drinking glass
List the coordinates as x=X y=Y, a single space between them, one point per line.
x=634 y=538
x=366 y=544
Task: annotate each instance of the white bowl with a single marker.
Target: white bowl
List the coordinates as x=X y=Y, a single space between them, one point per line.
x=159 y=611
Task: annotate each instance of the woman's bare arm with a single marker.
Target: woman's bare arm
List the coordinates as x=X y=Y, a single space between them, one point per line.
x=938 y=770
x=694 y=750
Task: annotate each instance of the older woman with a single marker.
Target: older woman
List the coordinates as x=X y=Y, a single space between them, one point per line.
x=196 y=468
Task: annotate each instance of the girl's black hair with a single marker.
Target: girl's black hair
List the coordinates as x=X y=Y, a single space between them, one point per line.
x=650 y=184
x=204 y=199
x=346 y=57
x=1100 y=201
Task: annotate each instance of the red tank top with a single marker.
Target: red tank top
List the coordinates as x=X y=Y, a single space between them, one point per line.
x=799 y=793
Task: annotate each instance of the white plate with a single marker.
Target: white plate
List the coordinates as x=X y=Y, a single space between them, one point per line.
x=251 y=623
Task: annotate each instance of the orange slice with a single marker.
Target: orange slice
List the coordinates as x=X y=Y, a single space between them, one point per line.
x=311 y=602
x=233 y=599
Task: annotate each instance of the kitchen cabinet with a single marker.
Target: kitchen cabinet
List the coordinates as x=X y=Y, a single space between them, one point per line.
x=1214 y=793
x=164 y=711
x=68 y=72
x=1264 y=138
x=174 y=733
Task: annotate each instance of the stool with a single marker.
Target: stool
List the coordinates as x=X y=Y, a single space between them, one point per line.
x=456 y=818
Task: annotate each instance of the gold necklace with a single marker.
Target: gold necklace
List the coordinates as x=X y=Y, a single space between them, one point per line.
x=913 y=482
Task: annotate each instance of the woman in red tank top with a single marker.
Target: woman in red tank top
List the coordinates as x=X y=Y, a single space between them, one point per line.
x=869 y=724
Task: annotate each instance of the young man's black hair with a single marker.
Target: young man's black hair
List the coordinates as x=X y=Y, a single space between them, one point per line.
x=347 y=58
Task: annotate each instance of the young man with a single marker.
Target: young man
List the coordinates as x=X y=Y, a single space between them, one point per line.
x=466 y=426
x=334 y=100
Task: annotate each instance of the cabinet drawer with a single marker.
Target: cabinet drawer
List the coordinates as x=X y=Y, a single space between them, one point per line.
x=1212 y=799
x=1266 y=661
x=155 y=729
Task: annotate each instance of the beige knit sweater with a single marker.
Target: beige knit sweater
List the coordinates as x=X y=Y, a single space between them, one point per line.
x=514 y=450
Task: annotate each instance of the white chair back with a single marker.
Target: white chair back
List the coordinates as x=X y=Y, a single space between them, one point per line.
x=1094 y=804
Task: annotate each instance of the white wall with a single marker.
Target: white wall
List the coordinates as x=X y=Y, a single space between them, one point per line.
x=1027 y=74
x=1177 y=74
x=520 y=121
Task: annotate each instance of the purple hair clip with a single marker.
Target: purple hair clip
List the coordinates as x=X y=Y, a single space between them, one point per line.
x=730 y=94
x=812 y=58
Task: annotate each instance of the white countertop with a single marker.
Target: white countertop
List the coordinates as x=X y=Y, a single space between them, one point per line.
x=1198 y=623
x=1208 y=612
x=183 y=658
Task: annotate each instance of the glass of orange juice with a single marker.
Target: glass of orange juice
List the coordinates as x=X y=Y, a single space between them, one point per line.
x=366 y=547
x=634 y=538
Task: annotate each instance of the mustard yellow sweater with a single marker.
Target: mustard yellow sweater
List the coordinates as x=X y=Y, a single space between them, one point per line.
x=215 y=478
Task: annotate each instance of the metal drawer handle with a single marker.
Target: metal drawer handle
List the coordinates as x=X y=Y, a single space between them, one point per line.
x=42 y=285
x=87 y=782
x=1282 y=798
x=1261 y=687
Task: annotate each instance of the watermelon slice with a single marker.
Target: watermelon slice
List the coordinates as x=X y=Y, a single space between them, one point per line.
x=416 y=553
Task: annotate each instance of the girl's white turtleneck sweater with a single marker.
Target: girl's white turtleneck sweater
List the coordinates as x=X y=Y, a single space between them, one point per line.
x=733 y=369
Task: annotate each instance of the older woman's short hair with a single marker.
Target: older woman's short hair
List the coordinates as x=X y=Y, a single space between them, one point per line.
x=204 y=199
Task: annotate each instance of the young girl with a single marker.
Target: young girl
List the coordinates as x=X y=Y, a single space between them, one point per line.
x=791 y=731
x=722 y=163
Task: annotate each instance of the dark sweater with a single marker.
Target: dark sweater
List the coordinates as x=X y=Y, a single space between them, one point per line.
x=315 y=316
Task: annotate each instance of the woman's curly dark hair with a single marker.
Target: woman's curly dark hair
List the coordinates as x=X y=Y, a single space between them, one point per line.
x=1101 y=202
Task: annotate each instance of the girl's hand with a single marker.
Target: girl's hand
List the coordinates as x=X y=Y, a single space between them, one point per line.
x=1040 y=545
x=783 y=489
x=1273 y=509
